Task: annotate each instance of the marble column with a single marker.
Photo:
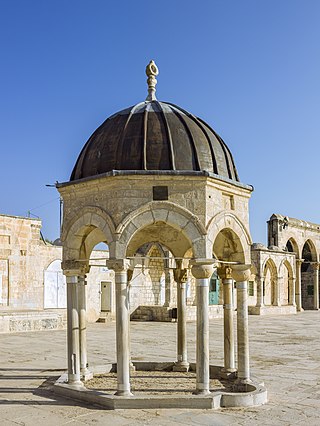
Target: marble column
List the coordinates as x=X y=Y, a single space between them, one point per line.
x=260 y=292
x=180 y=276
x=315 y=267
x=168 y=287
x=129 y=278
x=292 y=285
x=120 y=267
x=241 y=274
x=228 y=328
x=202 y=270
x=74 y=374
x=82 y=285
x=298 y=285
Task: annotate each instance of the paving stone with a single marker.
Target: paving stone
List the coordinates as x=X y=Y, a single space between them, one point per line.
x=291 y=371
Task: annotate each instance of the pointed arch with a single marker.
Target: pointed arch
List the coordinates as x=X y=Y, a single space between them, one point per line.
x=270 y=275
x=286 y=264
x=309 y=251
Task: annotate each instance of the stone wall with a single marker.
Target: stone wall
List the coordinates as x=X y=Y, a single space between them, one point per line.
x=275 y=269
x=307 y=289
x=24 y=258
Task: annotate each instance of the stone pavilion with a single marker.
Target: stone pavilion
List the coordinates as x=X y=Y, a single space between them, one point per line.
x=155 y=173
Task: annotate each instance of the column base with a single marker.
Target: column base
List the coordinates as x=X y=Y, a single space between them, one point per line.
x=182 y=366
x=201 y=392
x=123 y=393
x=228 y=373
x=72 y=381
x=300 y=309
x=132 y=367
x=86 y=374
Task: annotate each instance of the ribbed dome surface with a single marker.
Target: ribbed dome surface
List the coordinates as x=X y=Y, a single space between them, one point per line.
x=154 y=135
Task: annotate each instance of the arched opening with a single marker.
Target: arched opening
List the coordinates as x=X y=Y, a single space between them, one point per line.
x=149 y=281
x=309 y=256
x=292 y=247
x=227 y=247
x=161 y=233
x=90 y=247
x=270 y=283
x=286 y=289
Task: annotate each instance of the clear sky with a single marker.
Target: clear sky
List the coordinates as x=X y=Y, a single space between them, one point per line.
x=250 y=68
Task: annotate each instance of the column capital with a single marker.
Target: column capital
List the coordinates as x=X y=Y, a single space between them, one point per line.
x=202 y=268
x=118 y=265
x=241 y=272
x=180 y=275
x=74 y=267
x=225 y=272
x=299 y=262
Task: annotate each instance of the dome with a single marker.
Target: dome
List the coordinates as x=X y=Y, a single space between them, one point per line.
x=154 y=136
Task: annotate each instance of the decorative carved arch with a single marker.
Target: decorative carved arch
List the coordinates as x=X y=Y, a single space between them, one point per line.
x=271 y=290
x=269 y=263
x=286 y=264
x=172 y=215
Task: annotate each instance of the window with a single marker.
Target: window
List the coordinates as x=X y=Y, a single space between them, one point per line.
x=160 y=193
x=251 y=288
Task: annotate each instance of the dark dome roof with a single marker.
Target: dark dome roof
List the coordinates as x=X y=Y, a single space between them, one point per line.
x=153 y=136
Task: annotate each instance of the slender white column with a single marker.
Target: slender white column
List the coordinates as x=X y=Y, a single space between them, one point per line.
x=315 y=267
x=298 y=284
x=260 y=285
x=73 y=331
x=228 y=328
x=82 y=285
x=182 y=364
x=241 y=274
x=202 y=271
x=292 y=286
x=168 y=288
x=242 y=330
x=276 y=295
x=129 y=278
x=120 y=267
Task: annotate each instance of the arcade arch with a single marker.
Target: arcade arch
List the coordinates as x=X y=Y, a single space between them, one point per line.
x=270 y=283
x=292 y=247
x=309 y=275
x=287 y=289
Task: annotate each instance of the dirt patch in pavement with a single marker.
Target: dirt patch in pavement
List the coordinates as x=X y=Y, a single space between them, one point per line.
x=153 y=383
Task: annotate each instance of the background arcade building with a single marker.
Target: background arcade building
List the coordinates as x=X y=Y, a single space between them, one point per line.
x=159 y=186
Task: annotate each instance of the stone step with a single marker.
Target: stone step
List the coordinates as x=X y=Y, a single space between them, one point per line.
x=105 y=317
x=141 y=317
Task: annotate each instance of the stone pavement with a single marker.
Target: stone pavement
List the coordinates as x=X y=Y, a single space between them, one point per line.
x=285 y=353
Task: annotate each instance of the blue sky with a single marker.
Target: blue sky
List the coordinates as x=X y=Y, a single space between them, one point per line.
x=249 y=68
